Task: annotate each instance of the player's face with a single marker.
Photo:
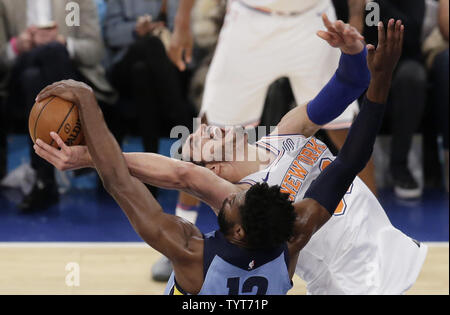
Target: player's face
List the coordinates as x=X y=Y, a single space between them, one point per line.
x=211 y=144
x=229 y=214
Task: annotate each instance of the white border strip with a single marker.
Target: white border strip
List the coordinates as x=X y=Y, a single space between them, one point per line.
x=117 y=244
x=73 y=244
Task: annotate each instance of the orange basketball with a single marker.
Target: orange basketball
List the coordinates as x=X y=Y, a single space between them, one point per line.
x=58 y=115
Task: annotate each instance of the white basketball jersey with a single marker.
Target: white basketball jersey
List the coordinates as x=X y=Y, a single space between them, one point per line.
x=285 y=6
x=357 y=251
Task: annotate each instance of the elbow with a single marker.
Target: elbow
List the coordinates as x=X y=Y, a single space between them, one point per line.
x=113 y=183
x=185 y=174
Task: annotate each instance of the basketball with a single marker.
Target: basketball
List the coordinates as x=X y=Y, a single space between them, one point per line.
x=58 y=115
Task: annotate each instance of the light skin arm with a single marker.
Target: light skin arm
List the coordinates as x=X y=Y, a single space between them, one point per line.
x=382 y=62
x=181 y=44
x=338 y=35
x=443 y=18
x=150 y=168
x=170 y=235
x=356 y=14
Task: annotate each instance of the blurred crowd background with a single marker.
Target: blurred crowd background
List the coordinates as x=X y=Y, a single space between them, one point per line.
x=120 y=48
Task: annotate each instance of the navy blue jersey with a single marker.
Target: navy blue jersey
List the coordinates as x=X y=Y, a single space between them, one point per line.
x=232 y=270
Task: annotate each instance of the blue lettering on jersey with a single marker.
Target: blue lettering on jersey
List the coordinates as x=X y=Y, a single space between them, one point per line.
x=232 y=270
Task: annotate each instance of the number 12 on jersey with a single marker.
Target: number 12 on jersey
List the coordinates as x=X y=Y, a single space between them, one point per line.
x=260 y=283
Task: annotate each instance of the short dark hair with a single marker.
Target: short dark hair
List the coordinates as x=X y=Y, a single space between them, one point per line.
x=268 y=216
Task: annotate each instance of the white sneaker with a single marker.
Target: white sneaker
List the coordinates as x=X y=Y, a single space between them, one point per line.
x=162 y=270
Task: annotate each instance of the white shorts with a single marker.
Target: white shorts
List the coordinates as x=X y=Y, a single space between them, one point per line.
x=254 y=50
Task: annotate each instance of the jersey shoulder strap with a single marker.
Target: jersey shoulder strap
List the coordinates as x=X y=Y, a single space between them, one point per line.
x=217 y=245
x=282 y=142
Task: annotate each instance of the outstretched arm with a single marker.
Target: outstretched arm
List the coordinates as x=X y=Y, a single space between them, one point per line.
x=325 y=193
x=168 y=234
x=182 y=42
x=348 y=84
x=150 y=168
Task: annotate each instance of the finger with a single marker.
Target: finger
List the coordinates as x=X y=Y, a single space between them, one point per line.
x=330 y=27
x=57 y=87
x=58 y=90
x=398 y=31
x=340 y=26
x=400 y=41
x=402 y=34
x=55 y=161
x=188 y=53
x=356 y=33
x=332 y=38
x=370 y=52
x=180 y=63
x=324 y=35
x=46 y=89
x=390 y=32
x=381 y=35
x=51 y=150
x=370 y=47
x=398 y=25
x=46 y=94
x=59 y=142
x=175 y=55
x=326 y=21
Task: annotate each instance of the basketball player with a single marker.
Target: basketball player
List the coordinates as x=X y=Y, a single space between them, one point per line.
x=357 y=250
x=262 y=41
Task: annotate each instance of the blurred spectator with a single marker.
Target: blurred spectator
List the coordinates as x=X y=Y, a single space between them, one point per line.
x=140 y=70
x=101 y=9
x=408 y=93
x=207 y=20
x=437 y=60
x=40 y=48
x=3 y=143
x=137 y=38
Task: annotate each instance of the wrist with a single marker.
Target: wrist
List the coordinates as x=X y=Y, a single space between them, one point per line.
x=353 y=49
x=357 y=22
x=88 y=159
x=378 y=91
x=85 y=98
x=14 y=47
x=183 y=22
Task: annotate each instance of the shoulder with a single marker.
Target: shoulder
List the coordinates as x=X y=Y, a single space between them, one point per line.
x=311 y=216
x=281 y=141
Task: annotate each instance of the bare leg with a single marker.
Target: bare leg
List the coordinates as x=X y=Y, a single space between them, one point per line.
x=446 y=170
x=187 y=207
x=368 y=174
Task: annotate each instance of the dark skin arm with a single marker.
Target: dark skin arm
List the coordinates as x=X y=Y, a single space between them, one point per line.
x=172 y=236
x=311 y=215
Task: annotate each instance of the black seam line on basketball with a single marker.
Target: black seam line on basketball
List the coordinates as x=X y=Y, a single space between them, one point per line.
x=37 y=119
x=67 y=116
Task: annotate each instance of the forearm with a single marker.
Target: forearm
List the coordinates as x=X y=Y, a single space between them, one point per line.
x=443 y=18
x=105 y=152
x=356 y=14
x=348 y=84
x=183 y=17
x=156 y=170
x=332 y=184
x=164 y=172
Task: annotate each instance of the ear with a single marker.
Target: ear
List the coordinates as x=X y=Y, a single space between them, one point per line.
x=239 y=232
x=215 y=167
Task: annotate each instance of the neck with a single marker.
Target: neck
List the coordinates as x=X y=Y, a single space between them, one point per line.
x=256 y=159
x=236 y=242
